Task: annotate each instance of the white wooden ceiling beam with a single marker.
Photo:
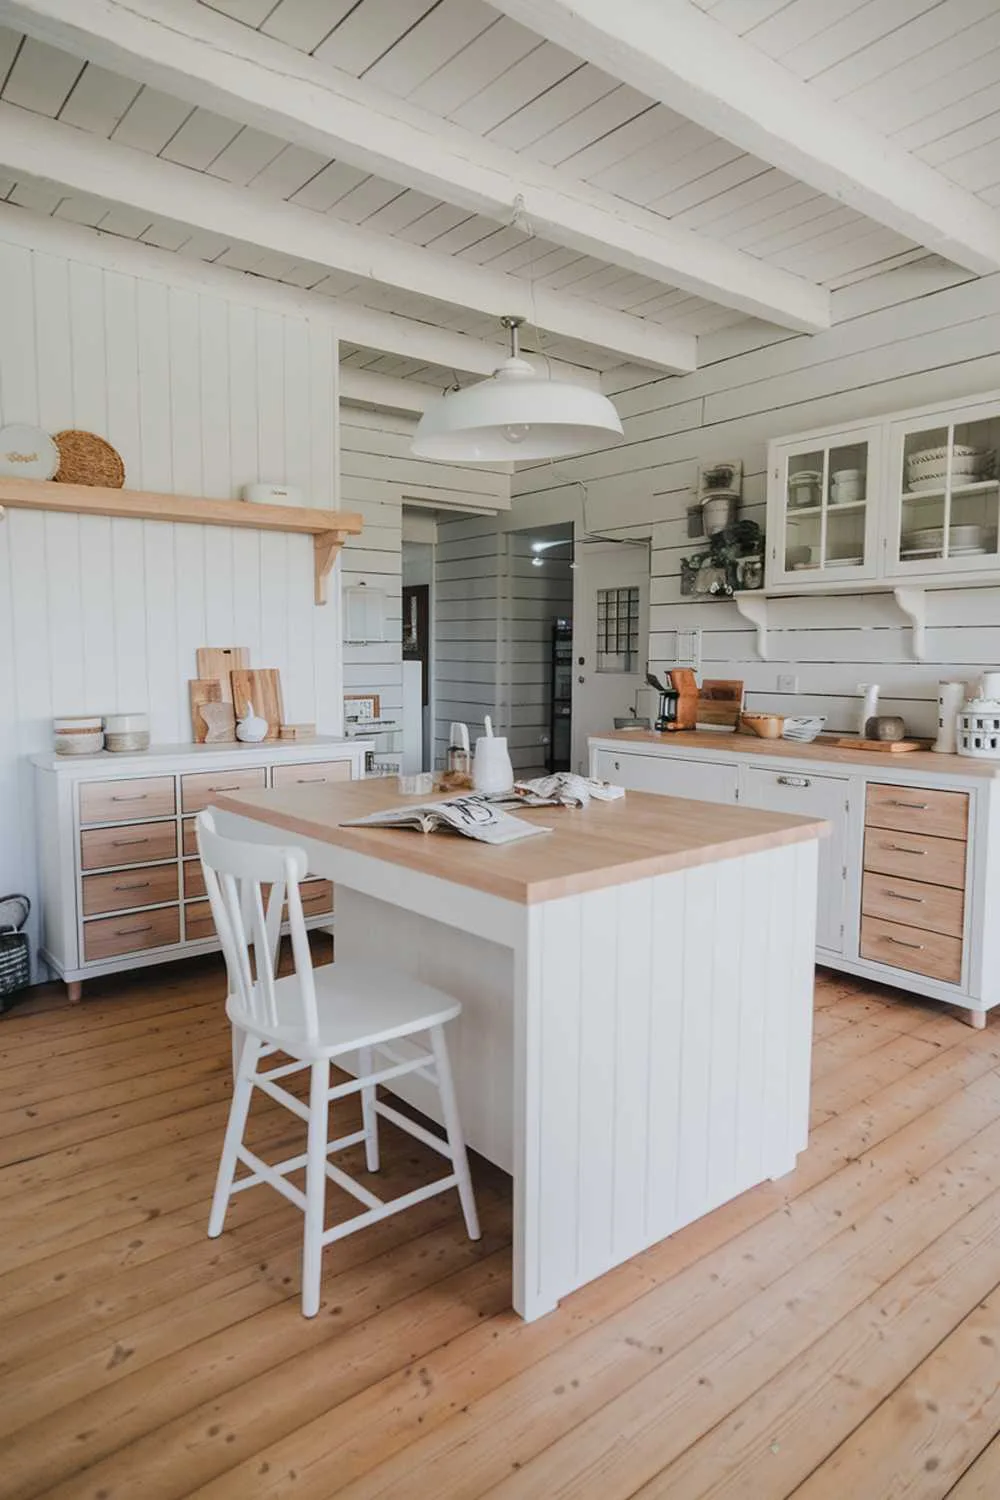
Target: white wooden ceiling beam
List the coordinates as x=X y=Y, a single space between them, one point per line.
x=33 y=144
x=385 y=390
x=672 y=51
x=206 y=58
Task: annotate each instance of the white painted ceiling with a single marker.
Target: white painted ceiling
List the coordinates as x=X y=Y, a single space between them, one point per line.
x=925 y=73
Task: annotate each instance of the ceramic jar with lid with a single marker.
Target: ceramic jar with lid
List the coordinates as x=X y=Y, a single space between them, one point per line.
x=126 y=732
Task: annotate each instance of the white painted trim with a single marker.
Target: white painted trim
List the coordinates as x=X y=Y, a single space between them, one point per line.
x=59 y=153
x=385 y=332
x=674 y=52
x=210 y=60
x=384 y=390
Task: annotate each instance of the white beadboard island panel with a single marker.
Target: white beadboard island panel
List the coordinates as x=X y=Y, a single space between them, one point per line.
x=918 y=334
x=200 y=392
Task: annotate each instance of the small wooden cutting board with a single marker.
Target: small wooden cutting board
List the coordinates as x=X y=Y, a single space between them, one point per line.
x=260 y=686
x=884 y=747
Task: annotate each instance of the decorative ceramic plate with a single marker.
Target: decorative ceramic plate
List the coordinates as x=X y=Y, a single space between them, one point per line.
x=27 y=452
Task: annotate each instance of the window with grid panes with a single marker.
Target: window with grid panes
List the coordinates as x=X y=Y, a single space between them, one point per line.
x=617 y=629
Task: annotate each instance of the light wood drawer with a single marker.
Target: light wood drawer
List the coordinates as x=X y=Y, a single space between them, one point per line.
x=317 y=901
x=913 y=855
x=313 y=891
x=199 y=788
x=109 y=936
x=938 y=908
x=194 y=879
x=929 y=953
x=190 y=836
x=101 y=848
x=320 y=770
x=123 y=801
x=145 y=886
x=917 y=810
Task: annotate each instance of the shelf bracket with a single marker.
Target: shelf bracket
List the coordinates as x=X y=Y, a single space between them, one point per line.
x=326 y=548
x=912 y=602
x=753 y=607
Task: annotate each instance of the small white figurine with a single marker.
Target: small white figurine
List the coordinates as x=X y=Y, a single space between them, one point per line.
x=251 y=728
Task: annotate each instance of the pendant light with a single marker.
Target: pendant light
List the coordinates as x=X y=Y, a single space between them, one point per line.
x=515 y=414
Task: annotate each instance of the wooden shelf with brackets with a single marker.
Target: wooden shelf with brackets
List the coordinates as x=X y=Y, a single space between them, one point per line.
x=329 y=529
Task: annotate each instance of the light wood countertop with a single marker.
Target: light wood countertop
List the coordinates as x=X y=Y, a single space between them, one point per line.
x=605 y=844
x=819 y=750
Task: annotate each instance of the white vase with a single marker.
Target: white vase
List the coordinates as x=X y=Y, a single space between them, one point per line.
x=491 y=767
x=251 y=729
x=951 y=698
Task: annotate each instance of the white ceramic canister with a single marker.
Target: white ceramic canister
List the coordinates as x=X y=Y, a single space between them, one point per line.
x=991 y=686
x=491 y=767
x=78 y=734
x=126 y=732
x=951 y=698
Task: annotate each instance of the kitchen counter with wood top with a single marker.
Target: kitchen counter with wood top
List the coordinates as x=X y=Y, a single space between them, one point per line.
x=826 y=748
x=634 y=1044
x=589 y=849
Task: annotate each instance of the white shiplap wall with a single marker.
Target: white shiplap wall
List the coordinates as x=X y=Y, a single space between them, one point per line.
x=199 y=392
x=887 y=353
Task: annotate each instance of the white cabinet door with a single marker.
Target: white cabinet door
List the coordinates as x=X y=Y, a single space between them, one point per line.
x=823 y=501
x=807 y=795
x=703 y=780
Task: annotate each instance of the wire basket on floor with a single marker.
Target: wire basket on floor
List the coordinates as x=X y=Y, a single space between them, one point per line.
x=15 y=953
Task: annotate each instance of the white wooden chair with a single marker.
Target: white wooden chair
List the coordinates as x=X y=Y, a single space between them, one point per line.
x=315 y=1016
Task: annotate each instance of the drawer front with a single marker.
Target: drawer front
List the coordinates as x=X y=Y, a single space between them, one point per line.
x=929 y=953
x=916 y=810
x=190 y=837
x=317 y=901
x=102 y=848
x=937 y=908
x=144 y=886
x=109 y=936
x=320 y=770
x=124 y=801
x=929 y=860
x=199 y=788
x=194 y=879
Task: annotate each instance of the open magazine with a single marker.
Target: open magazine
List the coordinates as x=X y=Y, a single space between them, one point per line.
x=474 y=816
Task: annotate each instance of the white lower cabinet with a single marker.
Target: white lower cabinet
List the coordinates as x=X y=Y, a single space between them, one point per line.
x=806 y=795
x=703 y=780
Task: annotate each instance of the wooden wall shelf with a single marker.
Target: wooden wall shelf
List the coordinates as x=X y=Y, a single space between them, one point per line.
x=329 y=529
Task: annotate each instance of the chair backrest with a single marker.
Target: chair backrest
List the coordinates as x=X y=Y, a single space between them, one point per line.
x=234 y=874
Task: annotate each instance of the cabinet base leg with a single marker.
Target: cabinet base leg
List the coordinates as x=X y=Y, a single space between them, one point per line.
x=976 y=1018
x=74 y=991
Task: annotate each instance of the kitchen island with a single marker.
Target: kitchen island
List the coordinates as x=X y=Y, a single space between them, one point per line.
x=637 y=985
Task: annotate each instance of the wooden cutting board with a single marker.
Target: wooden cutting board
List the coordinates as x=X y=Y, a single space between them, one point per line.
x=202 y=690
x=720 y=702
x=260 y=686
x=884 y=747
x=220 y=662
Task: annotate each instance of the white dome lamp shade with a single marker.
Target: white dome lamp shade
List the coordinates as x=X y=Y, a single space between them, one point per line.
x=515 y=414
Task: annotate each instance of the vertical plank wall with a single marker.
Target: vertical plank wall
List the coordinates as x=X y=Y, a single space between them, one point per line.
x=199 y=393
x=906 y=338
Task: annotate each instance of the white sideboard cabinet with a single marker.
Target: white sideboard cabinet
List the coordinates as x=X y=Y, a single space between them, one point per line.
x=121 y=883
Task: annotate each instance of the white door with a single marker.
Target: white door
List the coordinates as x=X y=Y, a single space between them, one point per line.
x=812 y=796
x=610 y=637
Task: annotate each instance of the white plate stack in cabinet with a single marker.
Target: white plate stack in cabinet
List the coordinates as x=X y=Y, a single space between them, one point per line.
x=121 y=883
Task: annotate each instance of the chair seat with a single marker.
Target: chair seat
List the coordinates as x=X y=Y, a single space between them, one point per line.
x=359 y=1005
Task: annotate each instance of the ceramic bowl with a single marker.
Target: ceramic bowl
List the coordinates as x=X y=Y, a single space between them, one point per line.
x=765 y=726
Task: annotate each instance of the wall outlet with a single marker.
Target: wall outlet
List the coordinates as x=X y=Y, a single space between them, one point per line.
x=787 y=682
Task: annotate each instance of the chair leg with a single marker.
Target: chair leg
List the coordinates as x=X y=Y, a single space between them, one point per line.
x=248 y=1048
x=453 y=1125
x=369 y=1117
x=312 y=1250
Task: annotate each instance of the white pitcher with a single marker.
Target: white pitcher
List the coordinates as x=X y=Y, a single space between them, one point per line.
x=491 y=767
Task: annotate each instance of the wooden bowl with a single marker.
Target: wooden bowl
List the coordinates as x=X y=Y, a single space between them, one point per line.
x=765 y=726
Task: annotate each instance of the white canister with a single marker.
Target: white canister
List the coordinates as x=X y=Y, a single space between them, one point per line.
x=991 y=686
x=951 y=697
x=491 y=767
x=126 y=732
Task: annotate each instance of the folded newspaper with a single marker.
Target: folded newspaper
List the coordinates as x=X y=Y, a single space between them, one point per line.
x=474 y=816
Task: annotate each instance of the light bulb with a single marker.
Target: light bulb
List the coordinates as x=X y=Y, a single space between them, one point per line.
x=516 y=432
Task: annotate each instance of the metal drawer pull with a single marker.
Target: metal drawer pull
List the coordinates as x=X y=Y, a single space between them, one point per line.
x=902 y=849
x=137 y=885
x=138 y=797
x=224 y=788
x=302 y=780
x=794 y=781
x=901 y=896
x=129 y=931
x=914 y=806
x=901 y=944
x=123 y=843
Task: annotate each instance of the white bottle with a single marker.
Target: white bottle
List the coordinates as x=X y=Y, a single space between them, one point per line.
x=951 y=698
x=869 y=707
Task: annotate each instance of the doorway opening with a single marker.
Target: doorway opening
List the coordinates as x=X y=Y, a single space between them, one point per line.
x=610 y=639
x=539 y=649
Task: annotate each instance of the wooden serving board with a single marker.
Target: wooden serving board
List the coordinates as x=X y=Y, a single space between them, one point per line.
x=884 y=747
x=220 y=662
x=720 y=702
x=260 y=686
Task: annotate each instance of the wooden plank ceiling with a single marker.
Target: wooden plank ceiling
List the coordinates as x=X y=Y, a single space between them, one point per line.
x=926 y=74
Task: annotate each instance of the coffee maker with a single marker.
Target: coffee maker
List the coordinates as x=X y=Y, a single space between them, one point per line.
x=678 y=708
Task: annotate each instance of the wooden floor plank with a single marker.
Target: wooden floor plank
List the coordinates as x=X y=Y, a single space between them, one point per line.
x=799 y=1336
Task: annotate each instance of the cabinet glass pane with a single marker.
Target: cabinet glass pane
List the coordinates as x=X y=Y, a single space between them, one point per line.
x=826 y=497
x=951 y=496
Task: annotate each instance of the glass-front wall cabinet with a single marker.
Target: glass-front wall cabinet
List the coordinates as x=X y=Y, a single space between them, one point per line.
x=825 y=525
x=945 y=494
